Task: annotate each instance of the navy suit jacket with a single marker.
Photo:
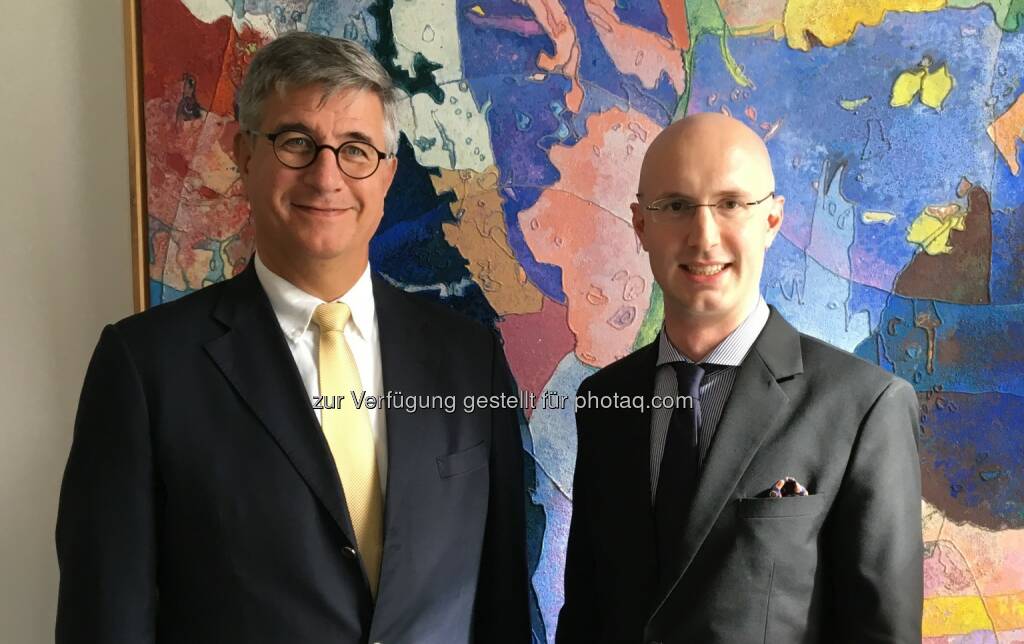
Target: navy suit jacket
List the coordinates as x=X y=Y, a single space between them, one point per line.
x=200 y=503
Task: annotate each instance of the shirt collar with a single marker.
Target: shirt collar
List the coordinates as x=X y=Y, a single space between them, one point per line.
x=730 y=351
x=294 y=307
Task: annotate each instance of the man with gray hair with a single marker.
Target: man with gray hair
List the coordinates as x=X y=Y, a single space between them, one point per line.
x=248 y=482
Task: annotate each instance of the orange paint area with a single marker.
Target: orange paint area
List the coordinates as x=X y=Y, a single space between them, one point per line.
x=480 y=236
x=582 y=225
x=1006 y=130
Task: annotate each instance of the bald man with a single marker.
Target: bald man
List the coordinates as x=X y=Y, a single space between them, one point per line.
x=769 y=489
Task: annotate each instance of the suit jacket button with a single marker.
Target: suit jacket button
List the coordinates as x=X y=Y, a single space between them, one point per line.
x=349 y=552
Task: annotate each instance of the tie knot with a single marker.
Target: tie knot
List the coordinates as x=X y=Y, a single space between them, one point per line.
x=688 y=376
x=331 y=316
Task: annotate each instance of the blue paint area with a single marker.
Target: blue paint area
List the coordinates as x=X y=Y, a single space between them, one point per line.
x=528 y=117
x=972 y=442
x=643 y=13
x=160 y=293
x=553 y=428
x=410 y=248
x=598 y=69
x=811 y=288
x=536 y=524
x=522 y=154
x=490 y=51
x=546 y=277
x=782 y=278
x=868 y=300
x=977 y=349
x=521 y=121
x=899 y=159
x=553 y=425
x=1007 y=190
x=832 y=223
x=216 y=272
x=548 y=579
x=872 y=349
x=343 y=20
x=1006 y=285
x=525 y=119
x=824 y=311
x=659 y=104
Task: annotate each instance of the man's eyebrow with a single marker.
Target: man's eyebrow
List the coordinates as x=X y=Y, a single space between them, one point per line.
x=673 y=194
x=294 y=127
x=351 y=135
x=356 y=135
x=718 y=194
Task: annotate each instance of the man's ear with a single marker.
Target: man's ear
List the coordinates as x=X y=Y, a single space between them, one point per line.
x=243 y=152
x=389 y=167
x=638 y=224
x=775 y=216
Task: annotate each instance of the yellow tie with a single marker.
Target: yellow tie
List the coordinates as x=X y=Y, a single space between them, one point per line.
x=348 y=434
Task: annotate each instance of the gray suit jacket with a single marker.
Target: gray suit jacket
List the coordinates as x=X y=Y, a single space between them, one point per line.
x=841 y=565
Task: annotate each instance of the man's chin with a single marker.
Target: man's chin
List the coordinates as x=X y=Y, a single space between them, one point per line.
x=702 y=306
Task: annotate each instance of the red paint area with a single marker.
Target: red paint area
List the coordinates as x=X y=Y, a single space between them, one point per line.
x=535 y=343
x=176 y=43
x=192 y=184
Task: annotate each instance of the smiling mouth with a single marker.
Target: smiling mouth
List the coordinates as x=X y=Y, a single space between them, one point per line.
x=319 y=210
x=705 y=270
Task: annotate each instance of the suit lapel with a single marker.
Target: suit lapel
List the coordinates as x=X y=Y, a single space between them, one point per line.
x=753 y=406
x=634 y=449
x=254 y=356
x=405 y=352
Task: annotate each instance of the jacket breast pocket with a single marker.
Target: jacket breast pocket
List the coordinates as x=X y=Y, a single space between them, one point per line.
x=462 y=462
x=784 y=533
x=787 y=506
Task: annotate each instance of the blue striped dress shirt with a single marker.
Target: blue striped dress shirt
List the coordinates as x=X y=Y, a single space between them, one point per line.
x=715 y=387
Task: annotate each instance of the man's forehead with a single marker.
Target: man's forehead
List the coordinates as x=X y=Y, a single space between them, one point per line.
x=727 y=170
x=316 y=108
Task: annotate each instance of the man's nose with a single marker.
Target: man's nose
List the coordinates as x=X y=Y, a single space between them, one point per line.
x=324 y=173
x=703 y=232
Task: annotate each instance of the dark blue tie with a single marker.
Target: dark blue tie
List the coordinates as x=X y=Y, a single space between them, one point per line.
x=677 y=477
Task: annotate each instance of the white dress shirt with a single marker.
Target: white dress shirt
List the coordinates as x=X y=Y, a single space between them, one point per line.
x=294 y=310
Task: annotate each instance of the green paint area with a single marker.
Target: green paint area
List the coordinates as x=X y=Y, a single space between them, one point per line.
x=652 y=321
x=705 y=18
x=1009 y=14
x=422 y=79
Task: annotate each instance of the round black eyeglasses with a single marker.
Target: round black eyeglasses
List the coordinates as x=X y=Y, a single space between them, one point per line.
x=298 y=150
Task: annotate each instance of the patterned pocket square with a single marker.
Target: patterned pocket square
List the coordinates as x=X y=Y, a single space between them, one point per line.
x=786 y=487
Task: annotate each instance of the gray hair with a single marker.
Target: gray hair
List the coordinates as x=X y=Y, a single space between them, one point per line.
x=300 y=59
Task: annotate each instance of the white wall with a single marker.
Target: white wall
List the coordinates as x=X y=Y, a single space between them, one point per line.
x=65 y=267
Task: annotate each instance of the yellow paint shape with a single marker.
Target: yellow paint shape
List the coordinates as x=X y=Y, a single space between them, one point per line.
x=853 y=103
x=477 y=9
x=1006 y=130
x=872 y=217
x=906 y=86
x=832 y=22
x=935 y=87
x=944 y=616
x=931 y=229
x=953 y=616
